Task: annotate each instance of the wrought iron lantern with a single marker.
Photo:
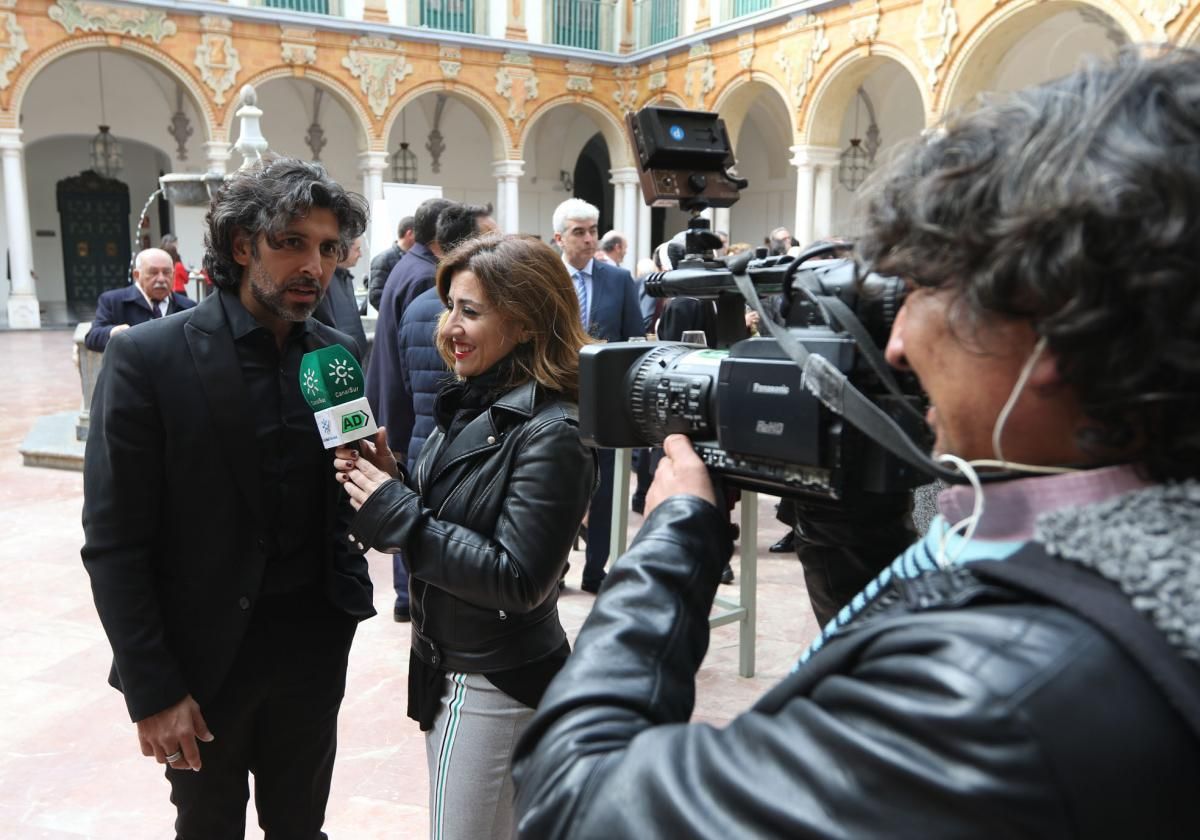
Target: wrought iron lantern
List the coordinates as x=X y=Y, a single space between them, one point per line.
x=404 y=165
x=855 y=162
x=106 y=154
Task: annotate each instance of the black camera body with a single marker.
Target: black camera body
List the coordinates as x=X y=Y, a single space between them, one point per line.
x=746 y=407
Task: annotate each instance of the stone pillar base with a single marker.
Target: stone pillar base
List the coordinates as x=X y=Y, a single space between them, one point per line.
x=23 y=313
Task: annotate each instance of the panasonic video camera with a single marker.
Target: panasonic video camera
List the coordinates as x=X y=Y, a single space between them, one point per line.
x=744 y=404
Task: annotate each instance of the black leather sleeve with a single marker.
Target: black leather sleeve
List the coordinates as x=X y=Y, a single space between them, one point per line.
x=547 y=492
x=123 y=493
x=902 y=737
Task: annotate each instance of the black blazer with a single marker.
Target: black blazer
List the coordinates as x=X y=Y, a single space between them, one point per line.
x=169 y=439
x=126 y=306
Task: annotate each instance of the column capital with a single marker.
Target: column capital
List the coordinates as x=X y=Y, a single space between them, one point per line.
x=624 y=175
x=372 y=161
x=10 y=139
x=508 y=168
x=815 y=156
x=217 y=154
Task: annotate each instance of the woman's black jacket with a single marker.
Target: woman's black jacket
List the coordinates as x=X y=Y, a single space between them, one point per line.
x=485 y=529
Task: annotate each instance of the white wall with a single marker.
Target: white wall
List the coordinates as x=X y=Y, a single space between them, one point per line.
x=770 y=200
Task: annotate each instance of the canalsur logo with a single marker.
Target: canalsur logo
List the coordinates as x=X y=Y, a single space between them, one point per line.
x=343 y=374
x=311 y=382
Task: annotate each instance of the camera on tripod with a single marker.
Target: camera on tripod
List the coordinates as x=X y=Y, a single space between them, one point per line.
x=751 y=415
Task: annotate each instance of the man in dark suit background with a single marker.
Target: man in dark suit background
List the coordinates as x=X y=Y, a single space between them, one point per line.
x=609 y=309
x=149 y=296
x=234 y=633
x=339 y=307
x=385 y=261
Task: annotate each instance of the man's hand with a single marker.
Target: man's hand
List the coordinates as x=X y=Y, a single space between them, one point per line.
x=172 y=734
x=680 y=471
x=117 y=328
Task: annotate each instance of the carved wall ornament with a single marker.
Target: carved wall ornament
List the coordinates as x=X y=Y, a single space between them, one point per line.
x=450 y=60
x=180 y=128
x=626 y=93
x=699 y=80
x=798 y=74
x=1159 y=13
x=864 y=29
x=579 y=76
x=518 y=84
x=745 y=44
x=936 y=27
x=699 y=51
x=379 y=64
x=216 y=57
x=87 y=16
x=514 y=57
x=12 y=47
x=298 y=46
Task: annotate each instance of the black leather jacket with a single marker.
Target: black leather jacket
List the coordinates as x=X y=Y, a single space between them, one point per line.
x=986 y=715
x=486 y=533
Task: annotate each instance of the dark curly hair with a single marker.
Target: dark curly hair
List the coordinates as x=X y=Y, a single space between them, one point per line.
x=1074 y=205
x=265 y=198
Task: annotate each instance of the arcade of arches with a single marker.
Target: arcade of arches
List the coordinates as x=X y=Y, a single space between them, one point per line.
x=520 y=124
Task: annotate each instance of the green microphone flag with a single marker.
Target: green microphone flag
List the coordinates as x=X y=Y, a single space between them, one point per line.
x=332 y=383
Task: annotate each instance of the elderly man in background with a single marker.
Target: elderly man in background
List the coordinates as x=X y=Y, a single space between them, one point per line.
x=149 y=296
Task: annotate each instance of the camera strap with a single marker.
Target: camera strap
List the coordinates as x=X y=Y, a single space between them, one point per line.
x=834 y=390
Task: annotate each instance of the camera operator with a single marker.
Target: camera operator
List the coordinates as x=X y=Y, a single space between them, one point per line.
x=1051 y=243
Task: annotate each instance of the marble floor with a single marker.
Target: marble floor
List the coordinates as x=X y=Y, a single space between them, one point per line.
x=69 y=760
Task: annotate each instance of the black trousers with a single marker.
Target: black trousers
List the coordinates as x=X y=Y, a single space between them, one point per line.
x=276 y=717
x=599 y=531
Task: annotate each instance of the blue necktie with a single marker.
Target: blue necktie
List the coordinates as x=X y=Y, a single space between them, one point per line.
x=581 y=289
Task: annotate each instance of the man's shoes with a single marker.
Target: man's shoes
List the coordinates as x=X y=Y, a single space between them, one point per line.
x=592 y=586
x=727 y=574
x=401 y=615
x=786 y=545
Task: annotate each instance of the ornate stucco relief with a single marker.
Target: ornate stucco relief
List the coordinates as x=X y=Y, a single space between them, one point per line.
x=626 y=93
x=864 y=29
x=379 y=64
x=12 y=47
x=800 y=70
x=579 y=76
x=216 y=56
x=745 y=43
x=450 y=60
x=518 y=83
x=700 y=77
x=1159 y=13
x=87 y=16
x=936 y=27
x=298 y=46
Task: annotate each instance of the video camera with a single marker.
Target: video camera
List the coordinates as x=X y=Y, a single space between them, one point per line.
x=756 y=416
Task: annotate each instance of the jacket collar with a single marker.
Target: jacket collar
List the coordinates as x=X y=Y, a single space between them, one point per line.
x=486 y=431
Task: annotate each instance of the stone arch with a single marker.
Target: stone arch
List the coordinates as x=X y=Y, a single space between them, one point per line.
x=664 y=97
x=1001 y=30
x=613 y=130
x=318 y=77
x=732 y=103
x=151 y=54
x=484 y=110
x=836 y=87
x=1189 y=33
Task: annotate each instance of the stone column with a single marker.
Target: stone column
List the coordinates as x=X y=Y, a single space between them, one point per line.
x=626 y=192
x=508 y=213
x=643 y=230
x=217 y=153
x=372 y=166
x=23 y=310
x=814 y=191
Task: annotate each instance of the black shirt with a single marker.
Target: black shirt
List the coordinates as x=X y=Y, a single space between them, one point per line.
x=296 y=472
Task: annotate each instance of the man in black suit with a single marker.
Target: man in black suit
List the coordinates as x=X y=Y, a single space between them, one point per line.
x=609 y=309
x=149 y=296
x=385 y=261
x=230 y=638
x=339 y=307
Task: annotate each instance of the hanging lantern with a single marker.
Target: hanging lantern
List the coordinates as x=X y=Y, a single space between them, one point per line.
x=106 y=154
x=854 y=165
x=404 y=165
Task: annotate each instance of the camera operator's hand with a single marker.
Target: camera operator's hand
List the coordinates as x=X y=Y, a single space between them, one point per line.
x=679 y=471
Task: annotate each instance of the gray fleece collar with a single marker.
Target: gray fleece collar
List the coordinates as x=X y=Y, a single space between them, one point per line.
x=1146 y=542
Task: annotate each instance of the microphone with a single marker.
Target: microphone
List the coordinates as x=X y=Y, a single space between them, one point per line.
x=332 y=383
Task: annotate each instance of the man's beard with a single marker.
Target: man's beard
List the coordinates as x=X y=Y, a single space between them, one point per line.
x=272 y=297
